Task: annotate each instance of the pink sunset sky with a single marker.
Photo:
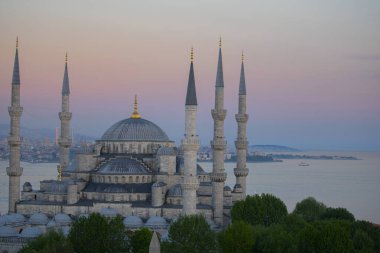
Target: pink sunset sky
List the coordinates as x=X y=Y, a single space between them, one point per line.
x=312 y=67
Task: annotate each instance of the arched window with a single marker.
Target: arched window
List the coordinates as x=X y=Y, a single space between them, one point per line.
x=130 y=179
x=123 y=180
x=137 y=179
x=116 y=180
x=143 y=179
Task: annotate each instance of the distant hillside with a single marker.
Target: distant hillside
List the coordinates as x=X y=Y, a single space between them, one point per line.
x=272 y=148
x=41 y=133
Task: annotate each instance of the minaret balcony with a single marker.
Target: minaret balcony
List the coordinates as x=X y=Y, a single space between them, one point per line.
x=15 y=111
x=190 y=183
x=241 y=172
x=218 y=177
x=65 y=142
x=14 y=171
x=65 y=115
x=241 y=144
x=219 y=114
x=190 y=144
x=14 y=140
x=219 y=144
x=241 y=118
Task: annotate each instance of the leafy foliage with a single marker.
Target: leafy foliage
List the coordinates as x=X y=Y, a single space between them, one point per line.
x=237 y=238
x=97 y=234
x=50 y=242
x=338 y=214
x=310 y=209
x=140 y=240
x=190 y=234
x=264 y=209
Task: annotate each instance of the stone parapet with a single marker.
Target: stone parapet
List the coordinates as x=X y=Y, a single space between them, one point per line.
x=15 y=111
x=65 y=142
x=218 y=114
x=14 y=171
x=65 y=115
x=241 y=118
x=241 y=144
x=241 y=172
x=14 y=140
x=190 y=144
x=218 y=144
x=218 y=176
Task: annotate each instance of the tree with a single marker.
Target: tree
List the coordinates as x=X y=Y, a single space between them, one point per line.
x=372 y=231
x=98 y=234
x=274 y=239
x=338 y=214
x=310 y=209
x=50 y=242
x=190 y=234
x=329 y=236
x=237 y=238
x=140 y=240
x=264 y=209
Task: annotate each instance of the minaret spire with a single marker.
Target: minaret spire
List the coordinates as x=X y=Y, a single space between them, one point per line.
x=190 y=146
x=218 y=144
x=241 y=143
x=65 y=115
x=135 y=114
x=14 y=171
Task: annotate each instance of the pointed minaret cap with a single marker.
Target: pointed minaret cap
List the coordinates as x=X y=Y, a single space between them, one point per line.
x=66 y=85
x=135 y=114
x=154 y=246
x=219 y=73
x=242 y=90
x=16 y=68
x=191 y=95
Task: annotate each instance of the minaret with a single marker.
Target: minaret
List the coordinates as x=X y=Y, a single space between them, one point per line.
x=190 y=146
x=14 y=171
x=65 y=140
x=218 y=144
x=241 y=172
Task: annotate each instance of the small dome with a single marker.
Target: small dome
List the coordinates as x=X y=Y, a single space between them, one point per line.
x=65 y=230
x=167 y=151
x=6 y=231
x=108 y=212
x=62 y=219
x=227 y=188
x=175 y=191
x=133 y=129
x=15 y=219
x=38 y=219
x=158 y=184
x=27 y=187
x=156 y=222
x=31 y=232
x=133 y=222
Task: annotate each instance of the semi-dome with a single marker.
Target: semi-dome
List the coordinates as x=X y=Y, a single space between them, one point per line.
x=156 y=222
x=31 y=232
x=15 y=219
x=38 y=219
x=135 y=129
x=133 y=222
x=62 y=219
x=123 y=165
x=6 y=231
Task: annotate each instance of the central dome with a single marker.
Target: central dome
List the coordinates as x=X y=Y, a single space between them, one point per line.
x=135 y=129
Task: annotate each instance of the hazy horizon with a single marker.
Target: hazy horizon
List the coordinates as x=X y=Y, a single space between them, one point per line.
x=312 y=68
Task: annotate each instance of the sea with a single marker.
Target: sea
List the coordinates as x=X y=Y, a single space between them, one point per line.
x=352 y=184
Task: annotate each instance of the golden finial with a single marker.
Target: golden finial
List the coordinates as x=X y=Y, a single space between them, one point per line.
x=66 y=58
x=192 y=54
x=135 y=114
x=220 y=41
x=59 y=173
x=17 y=42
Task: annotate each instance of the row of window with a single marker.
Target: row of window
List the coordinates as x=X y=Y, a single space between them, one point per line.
x=121 y=179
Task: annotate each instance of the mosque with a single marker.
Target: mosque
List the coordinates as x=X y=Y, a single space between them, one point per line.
x=134 y=170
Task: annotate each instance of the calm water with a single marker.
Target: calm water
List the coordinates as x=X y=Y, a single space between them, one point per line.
x=354 y=185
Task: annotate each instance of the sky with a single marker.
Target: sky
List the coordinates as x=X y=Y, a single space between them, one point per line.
x=312 y=67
